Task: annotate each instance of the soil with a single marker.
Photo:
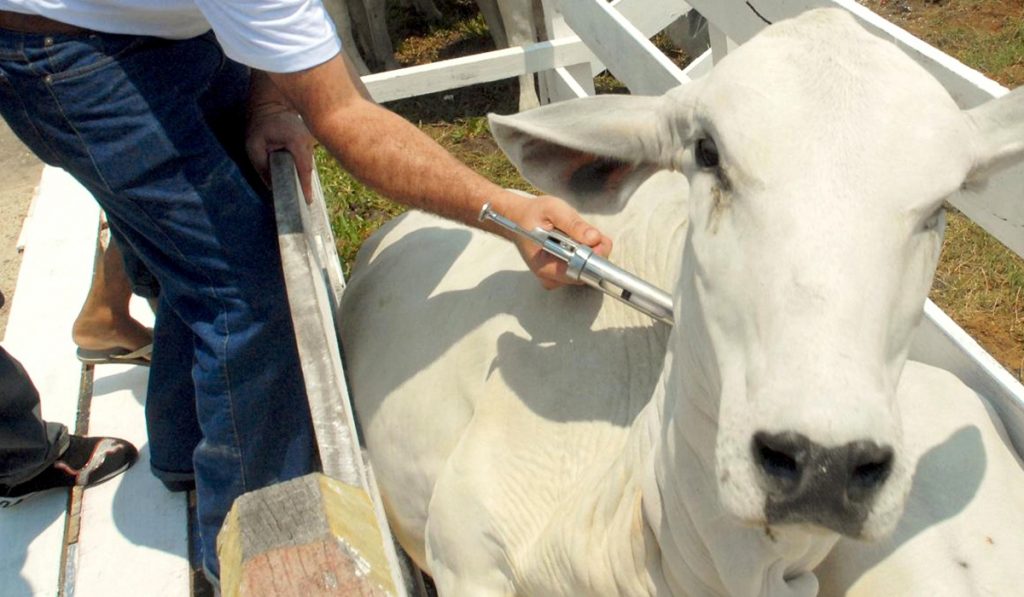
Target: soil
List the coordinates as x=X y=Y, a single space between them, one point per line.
x=19 y=175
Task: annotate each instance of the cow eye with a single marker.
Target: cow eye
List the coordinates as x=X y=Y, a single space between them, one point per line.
x=707 y=153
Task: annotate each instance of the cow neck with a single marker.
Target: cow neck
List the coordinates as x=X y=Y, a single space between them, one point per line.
x=618 y=552
x=703 y=550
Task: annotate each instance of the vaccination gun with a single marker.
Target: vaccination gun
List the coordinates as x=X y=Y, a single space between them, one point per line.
x=592 y=269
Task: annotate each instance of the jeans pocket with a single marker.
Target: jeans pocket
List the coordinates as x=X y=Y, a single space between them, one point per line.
x=70 y=57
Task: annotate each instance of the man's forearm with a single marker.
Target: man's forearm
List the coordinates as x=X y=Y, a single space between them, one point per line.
x=384 y=150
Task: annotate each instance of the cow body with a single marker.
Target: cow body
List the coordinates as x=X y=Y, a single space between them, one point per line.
x=555 y=443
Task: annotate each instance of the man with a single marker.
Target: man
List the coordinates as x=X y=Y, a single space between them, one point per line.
x=150 y=116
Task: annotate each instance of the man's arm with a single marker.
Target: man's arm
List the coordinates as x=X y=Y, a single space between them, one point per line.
x=392 y=156
x=274 y=124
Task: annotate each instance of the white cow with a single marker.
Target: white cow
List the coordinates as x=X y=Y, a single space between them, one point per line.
x=554 y=443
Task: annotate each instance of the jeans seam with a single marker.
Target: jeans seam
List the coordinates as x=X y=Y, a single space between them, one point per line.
x=231 y=397
x=78 y=135
x=106 y=60
x=27 y=118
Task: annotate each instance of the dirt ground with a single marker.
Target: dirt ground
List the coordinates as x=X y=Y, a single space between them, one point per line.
x=19 y=174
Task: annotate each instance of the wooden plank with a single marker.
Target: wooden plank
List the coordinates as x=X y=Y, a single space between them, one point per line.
x=700 y=66
x=651 y=16
x=624 y=49
x=940 y=342
x=479 y=68
x=511 y=62
x=309 y=536
x=318 y=350
x=562 y=85
x=131 y=518
x=314 y=284
x=999 y=207
x=55 y=274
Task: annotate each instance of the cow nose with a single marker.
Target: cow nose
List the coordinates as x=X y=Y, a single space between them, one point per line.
x=806 y=482
x=781 y=459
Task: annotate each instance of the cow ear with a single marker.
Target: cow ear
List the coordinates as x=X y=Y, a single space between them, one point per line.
x=1000 y=134
x=592 y=151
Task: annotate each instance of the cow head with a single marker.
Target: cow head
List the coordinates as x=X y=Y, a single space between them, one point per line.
x=818 y=158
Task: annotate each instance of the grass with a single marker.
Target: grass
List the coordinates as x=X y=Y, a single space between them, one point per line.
x=979 y=282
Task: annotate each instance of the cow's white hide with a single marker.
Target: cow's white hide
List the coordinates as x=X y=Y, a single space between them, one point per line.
x=962 y=532
x=534 y=443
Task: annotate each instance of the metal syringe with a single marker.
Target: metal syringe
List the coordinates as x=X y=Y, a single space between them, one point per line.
x=594 y=270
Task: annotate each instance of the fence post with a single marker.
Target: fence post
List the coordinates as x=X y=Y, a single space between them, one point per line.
x=324 y=534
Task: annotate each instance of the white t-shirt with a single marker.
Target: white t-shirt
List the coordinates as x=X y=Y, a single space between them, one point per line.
x=272 y=35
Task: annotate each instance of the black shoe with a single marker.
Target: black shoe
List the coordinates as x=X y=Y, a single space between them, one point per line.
x=88 y=461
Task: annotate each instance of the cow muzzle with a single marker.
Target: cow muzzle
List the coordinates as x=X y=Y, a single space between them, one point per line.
x=830 y=487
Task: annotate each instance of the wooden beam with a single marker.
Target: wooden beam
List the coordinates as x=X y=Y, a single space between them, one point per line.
x=479 y=68
x=310 y=305
x=624 y=49
x=305 y=537
x=564 y=51
x=314 y=284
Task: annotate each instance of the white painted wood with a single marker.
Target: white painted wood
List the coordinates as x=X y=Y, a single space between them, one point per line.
x=624 y=49
x=479 y=68
x=507 y=63
x=651 y=16
x=563 y=85
x=132 y=518
x=719 y=43
x=999 y=207
x=699 y=66
x=554 y=86
x=26 y=224
x=60 y=247
x=309 y=302
x=939 y=341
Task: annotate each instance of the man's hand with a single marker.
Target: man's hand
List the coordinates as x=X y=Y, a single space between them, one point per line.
x=550 y=212
x=273 y=126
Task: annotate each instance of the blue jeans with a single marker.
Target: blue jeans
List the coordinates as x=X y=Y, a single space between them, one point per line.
x=154 y=129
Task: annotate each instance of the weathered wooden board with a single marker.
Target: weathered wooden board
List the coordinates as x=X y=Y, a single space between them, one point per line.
x=309 y=536
x=314 y=284
x=311 y=309
x=131 y=518
x=60 y=247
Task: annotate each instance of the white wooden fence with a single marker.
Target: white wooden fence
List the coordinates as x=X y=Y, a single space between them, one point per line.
x=133 y=535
